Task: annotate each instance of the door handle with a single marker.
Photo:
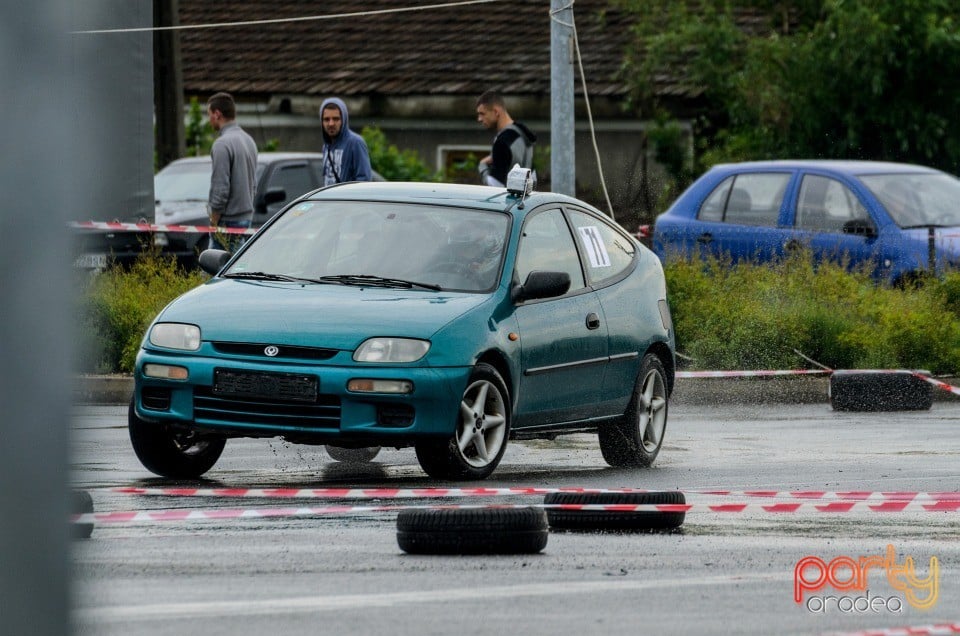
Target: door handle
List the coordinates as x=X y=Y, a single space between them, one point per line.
x=593 y=321
x=705 y=238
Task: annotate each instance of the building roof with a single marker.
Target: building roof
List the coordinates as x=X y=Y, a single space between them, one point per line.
x=453 y=51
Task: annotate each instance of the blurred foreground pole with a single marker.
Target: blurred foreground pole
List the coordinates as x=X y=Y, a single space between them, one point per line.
x=35 y=333
x=563 y=172
x=77 y=131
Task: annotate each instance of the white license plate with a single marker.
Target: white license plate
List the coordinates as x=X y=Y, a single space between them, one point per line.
x=91 y=261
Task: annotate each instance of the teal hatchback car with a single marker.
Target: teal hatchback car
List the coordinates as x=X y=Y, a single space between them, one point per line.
x=450 y=318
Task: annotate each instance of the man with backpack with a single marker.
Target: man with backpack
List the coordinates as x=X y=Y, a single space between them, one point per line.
x=512 y=145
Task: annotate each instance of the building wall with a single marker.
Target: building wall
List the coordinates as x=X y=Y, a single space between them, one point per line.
x=633 y=178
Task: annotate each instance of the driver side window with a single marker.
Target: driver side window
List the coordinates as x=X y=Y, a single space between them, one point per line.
x=546 y=245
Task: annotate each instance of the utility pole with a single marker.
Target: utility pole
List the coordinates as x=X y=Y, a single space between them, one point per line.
x=167 y=83
x=563 y=170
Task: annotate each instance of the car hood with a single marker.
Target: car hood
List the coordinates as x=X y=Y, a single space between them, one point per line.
x=330 y=316
x=180 y=212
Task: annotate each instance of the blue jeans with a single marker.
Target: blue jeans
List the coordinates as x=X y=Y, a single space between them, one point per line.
x=231 y=221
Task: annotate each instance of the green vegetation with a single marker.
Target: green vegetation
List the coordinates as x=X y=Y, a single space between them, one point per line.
x=116 y=307
x=742 y=316
x=392 y=163
x=748 y=316
x=804 y=78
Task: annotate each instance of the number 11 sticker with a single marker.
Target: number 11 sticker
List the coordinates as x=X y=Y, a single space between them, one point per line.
x=597 y=251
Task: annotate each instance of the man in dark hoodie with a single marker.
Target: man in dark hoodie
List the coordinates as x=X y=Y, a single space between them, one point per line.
x=345 y=154
x=512 y=145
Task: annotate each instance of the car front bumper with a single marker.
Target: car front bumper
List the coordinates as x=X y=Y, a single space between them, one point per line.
x=336 y=415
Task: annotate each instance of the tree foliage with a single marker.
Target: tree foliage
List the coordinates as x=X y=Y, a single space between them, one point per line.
x=864 y=79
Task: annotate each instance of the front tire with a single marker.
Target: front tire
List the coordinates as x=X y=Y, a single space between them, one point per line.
x=635 y=439
x=483 y=426
x=170 y=453
x=352 y=455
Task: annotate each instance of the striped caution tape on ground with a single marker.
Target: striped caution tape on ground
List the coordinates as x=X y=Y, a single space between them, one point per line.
x=939 y=629
x=157 y=516
x=150 y=227
x=427 y=493
x=788 y=372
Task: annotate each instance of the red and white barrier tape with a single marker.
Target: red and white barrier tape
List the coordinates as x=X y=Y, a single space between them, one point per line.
x=941 y=629
x=150 y=227
x=749 y=374
x=153 y=516
x=787 y=372
x=427 y=493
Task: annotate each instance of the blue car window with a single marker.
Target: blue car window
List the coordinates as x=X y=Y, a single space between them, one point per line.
x=825 y=205
x=756 y=199
x=918 y=199
x=546 y=245
x=608 y=252
x=712 y=208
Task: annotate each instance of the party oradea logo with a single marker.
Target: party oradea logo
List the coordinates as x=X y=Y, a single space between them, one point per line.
x=853 y=577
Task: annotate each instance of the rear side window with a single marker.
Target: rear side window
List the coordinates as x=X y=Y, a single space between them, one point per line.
x=607 y=252
x=747 y=199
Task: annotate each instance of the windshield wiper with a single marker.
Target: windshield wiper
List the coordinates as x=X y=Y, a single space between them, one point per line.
x=920 y=226
x=376 y=281
x=263 y=276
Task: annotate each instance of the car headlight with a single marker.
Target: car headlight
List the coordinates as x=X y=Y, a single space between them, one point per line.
x=391 y=350
x=175 y=335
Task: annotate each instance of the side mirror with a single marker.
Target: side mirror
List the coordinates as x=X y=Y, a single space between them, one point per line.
x=212 y=261
x=860 y=227
x=541 y=285
x=275 y=195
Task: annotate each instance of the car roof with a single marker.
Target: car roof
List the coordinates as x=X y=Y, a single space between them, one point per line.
x=842 y=166
x=262 y=157
x=456 y=194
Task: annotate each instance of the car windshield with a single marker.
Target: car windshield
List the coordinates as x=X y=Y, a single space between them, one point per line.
x=918 y=200
x=380 y=244
x=189 y=181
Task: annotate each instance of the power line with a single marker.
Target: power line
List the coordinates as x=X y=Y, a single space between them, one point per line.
x=335 y=16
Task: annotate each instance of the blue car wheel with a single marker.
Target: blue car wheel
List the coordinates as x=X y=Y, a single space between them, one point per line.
x=483 y=426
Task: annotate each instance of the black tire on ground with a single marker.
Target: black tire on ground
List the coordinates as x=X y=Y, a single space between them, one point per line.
x=170 y=453
x=480 y=437
x=852 y=390
x=352 y=455
x=472 y=531
x=635 y=438
x=81 y=503
x=614 y=520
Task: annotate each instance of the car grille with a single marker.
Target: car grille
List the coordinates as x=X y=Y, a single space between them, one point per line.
x=283 y=351
x=322 y=413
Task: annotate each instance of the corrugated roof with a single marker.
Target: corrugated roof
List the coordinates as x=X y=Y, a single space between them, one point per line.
x=443 y=51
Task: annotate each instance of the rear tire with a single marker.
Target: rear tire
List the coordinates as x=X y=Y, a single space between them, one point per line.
x=482 y=429
x=614 y=519
x=171 y=453
x=472 y=531
x=635 y=439
x=81 y=503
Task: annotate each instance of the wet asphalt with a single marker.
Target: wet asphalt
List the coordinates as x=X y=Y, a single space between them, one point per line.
x=720 y=573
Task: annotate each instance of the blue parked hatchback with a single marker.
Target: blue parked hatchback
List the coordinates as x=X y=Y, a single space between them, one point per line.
x=448 y=318
x=890 y=217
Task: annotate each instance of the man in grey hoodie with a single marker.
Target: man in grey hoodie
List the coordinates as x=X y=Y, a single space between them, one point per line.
x=345 y=154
